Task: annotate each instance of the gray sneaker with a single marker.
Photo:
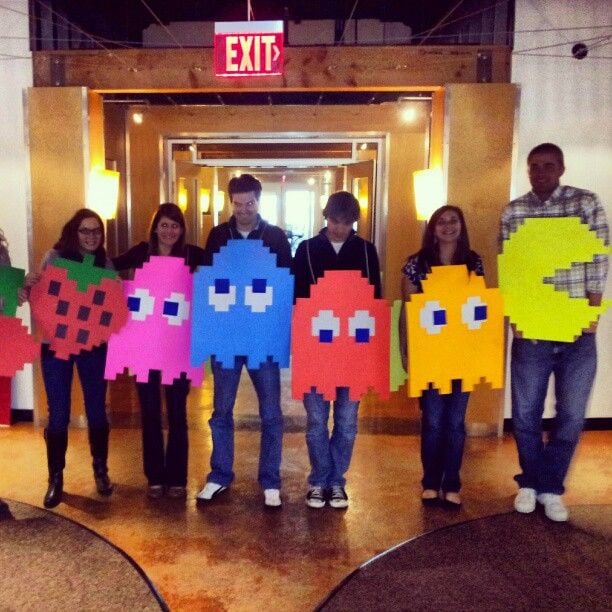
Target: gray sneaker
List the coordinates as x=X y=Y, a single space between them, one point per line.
x=338 y=497
x=525 y=500
x=554 y=508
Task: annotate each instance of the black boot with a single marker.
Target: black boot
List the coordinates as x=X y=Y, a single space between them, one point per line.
x=56 y=460
x=98 y=444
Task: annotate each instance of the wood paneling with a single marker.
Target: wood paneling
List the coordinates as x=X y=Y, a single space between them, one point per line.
x=479 y=131
x=306 y=68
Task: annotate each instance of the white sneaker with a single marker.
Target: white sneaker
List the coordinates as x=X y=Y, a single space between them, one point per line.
x=554 y=508
x=525 y=500
x=272 y=498
x=210 y=490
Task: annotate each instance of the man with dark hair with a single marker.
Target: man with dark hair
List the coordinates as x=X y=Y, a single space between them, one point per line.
x=544 y=465
x=336 y=247
x=246 y=223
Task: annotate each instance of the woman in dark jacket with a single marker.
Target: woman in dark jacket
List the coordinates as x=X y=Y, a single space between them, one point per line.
x=166 y=472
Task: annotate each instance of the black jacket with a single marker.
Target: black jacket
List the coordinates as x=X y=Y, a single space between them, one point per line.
x=271 y=235
x=315 y=256
x=140 y=253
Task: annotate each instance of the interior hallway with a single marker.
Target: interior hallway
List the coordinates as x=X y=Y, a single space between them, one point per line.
x=233 y=554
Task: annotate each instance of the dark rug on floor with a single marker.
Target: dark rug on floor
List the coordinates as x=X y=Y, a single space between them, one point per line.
x=51 y=563
x=504 y=562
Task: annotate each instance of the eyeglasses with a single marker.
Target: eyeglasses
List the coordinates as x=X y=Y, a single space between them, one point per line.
x=166 y=226
x=250 y=205
x=84 y=231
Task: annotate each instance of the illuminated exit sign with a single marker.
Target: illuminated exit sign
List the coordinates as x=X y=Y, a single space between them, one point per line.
x=248 y=48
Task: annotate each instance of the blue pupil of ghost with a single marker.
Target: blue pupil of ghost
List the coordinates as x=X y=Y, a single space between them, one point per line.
x=134 y=304
x=259 y=285
x=439 y=317
x=326 y=335
x=362 y=334
x=171 y=308
x=222 y=285
x=480 y=313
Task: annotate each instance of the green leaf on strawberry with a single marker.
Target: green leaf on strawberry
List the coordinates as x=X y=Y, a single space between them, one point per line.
x=84 y=273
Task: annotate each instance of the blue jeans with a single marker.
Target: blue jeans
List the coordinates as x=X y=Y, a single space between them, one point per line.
x=169 y=467
x=443 y=437
x=545 y=465
x=330 y=457
x=57 y=376
x=266 y=380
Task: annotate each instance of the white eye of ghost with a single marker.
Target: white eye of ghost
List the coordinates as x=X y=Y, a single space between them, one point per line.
x=325 y=326
x=222 y=295
x=258 y=295
x=432 y=317
x=176 y=309
x=362 y=326
x=474 y=313
x=140 y=304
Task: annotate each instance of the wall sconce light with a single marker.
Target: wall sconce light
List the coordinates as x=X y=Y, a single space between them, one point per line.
x=428 y=191
x=103 y=192
x=137 y=117
x=408 y=114
x=204 y=201
x=182 y=198
x=363 y=203
x=219 y=201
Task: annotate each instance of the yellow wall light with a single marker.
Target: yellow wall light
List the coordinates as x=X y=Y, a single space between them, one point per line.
x=103 y=192
x=428 y=191
x=182 y=196
x=204 y=200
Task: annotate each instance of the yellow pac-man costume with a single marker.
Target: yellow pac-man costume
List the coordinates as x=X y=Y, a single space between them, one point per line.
x=455 y=331
x=537 y=250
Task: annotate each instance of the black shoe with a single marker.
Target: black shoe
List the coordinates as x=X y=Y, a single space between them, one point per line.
x=337 y=497
x=430 y=500
x=451 y=504
x=315 y=498
x=103 y=484
x=3 y=506
x=98 y=444
x=53 y=496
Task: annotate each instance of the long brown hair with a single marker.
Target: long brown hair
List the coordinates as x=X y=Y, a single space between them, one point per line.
x=430 y=248
x=174 y=213
x=68 y=244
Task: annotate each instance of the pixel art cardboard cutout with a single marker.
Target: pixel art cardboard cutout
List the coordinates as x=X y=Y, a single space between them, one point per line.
x=17 y=347
x=77 y=305
x=156 y=335
x=455 y=331
x=11 y=279
x=536 y=251
x=242 y=307
x=340 y=338
x=397 y=373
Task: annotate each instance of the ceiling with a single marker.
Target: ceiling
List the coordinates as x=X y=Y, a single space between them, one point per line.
x=122 y=21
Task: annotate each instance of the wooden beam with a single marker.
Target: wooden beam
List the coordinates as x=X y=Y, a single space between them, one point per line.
x=306 y=69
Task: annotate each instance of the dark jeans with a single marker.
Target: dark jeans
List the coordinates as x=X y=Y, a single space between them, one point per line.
x=443 y=437
x=57 y=376
x=545 y=465
x=168 y=468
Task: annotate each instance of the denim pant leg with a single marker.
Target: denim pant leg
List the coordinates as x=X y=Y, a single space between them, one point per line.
x=90 y=366
x=530 y=368
x=222 y=421
x=57 y=376
x=266 y=380
x=432 y=438
x=575 y=367
x=317 y=438
x=177 y=447
x=455 y=406
x=149 y=394
x=343 y=436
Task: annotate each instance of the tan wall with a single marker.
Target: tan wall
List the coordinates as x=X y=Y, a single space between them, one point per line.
x=479 y=131
x=66 y=135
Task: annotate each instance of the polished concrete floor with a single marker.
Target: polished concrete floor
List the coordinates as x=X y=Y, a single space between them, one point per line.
x=234 y=554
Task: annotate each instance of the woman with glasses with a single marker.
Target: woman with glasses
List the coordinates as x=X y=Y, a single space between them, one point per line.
x=82 y=235
x=166 y=470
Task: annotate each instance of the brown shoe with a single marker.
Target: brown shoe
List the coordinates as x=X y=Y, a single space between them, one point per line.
x=155 y=491
x=176 y=492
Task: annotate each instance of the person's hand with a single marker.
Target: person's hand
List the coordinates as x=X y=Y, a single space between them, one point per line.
x=515 y=332
x=591 y=329
x=23 y=293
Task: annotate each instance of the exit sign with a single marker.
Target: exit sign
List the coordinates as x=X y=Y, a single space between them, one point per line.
x=248 y=48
